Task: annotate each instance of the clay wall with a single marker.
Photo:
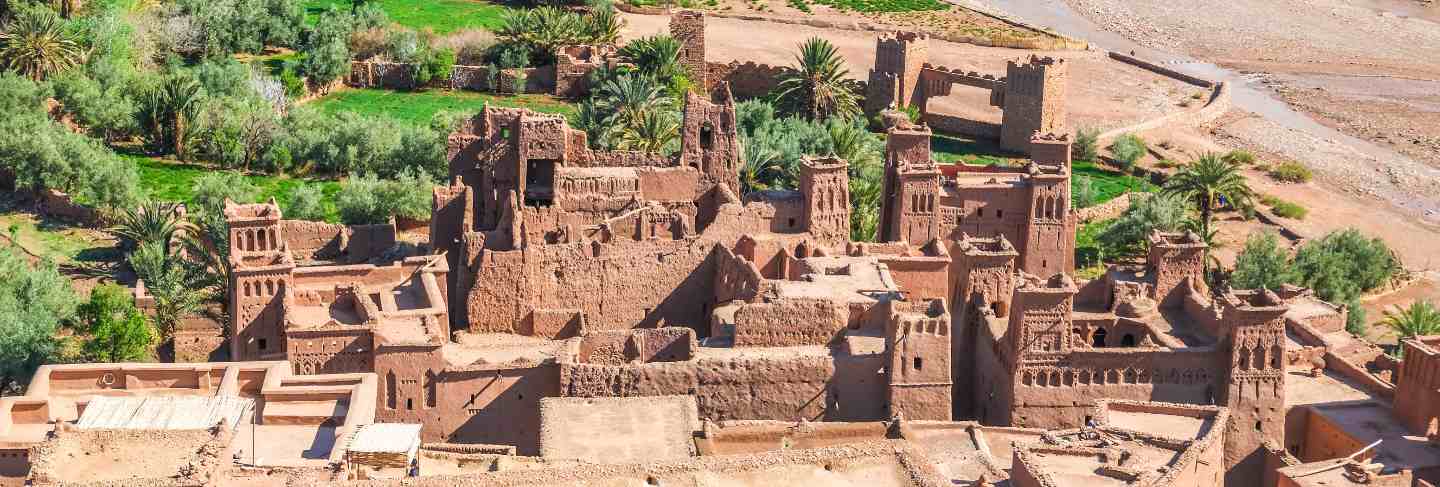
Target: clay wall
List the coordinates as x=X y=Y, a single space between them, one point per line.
x=619 y=285
x=1060 y=396
x=331 y=351
x=619 y=347
x=199 y=338
x=474 y=404
x=311 y=241
x=1034 y=101
x=1417 y=397
x=919 y=277
x=735 y=277
x=746 y=80
x=774 y=387
x=790 y=322
x=774 y=211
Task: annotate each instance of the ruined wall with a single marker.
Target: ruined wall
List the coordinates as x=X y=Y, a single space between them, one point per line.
x=1417 y=397
x=319 y=241
x=688 y=27
x=746 y=80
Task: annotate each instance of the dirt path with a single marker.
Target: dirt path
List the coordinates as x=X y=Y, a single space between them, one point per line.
x=1102 y=93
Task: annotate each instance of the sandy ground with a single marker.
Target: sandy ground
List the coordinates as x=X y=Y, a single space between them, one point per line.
x=1369 y=68
x=1103 y=93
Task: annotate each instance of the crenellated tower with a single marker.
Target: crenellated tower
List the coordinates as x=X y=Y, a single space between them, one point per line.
x=895 y=79
x=1175 y=259
x=825 y=185
x=912 y=188
x=688 y=27
x=1050 y=235
x=917 y=340
x=1034 y=101
x=982 y=276
x=1255 y=388
x=260 y=280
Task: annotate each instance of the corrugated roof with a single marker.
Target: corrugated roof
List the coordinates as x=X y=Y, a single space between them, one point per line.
x=163 y=412
x=386 y=438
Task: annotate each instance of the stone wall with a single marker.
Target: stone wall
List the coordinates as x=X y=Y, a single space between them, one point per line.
x=778 y=387
x=746 y=80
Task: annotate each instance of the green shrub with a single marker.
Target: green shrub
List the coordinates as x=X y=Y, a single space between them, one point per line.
x=1355 y=318
x=211 y=191
x=1342 y=265
x=1128 y=149
x=1084 y=191
x=1087 y=145
x=1240 y=156
x=1291 y=172
x=366 y=199
x=1286 y=209
x=1127 y=235
x=801 y=5
x=306 y=203
x=1261 y=264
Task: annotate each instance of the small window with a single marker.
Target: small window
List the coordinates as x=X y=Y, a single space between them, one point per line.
x=505 y=132
x=792 y=223
x=999 y=213
x=263 y=344
x=918 y=363
x=1258 y=426
x=1128 y=340
x=410 y=404
x=979 y=212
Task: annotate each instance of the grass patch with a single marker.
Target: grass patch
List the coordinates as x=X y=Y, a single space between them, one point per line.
x=1089 y=259
x=171 y=181
x=1108 y=184
x=419 y=107
x=57 y=241
x=1284 y=209
x=949 y=149
x=442 y=16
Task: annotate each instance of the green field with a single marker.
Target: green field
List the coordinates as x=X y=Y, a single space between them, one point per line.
x=441 y=16
x=1088 y=257
x=419 y=107
x=950 y=149
x=172 y=181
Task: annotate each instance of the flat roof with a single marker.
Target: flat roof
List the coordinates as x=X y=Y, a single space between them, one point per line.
x=1369 y=421
x=163 y=412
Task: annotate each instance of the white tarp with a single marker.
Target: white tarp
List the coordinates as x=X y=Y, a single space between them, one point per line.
x=163 y=412
x=387 y=438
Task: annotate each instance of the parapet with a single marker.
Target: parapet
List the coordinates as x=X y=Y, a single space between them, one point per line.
x=997 y=246
x=259 y=212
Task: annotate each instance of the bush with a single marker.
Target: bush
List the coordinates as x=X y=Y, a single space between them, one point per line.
x=1261 y=264
x=366 y=199
x=1342 y=265
x=347 y=143
x=509 y=55
x=306 y=203
x=1129 y=233
x=325 y=56
x=471 y=46
x=211 y=191
x=34 y=301
x=1128 y=149
x=434 y=64
x=1291 y=172
x=1239 y=156
x=1084 y=191
x=368 y=43
x=118 y=332
x=1355 y=319
x=1087 y=145
x=1286 y=209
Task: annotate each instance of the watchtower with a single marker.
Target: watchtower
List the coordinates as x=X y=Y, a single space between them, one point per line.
x=825 y=185
x=688 y=27
x=1255 y=388
x=895 y=79
x=260 y=278
x=912 y=187
x=1034 y=101
x=918 y=343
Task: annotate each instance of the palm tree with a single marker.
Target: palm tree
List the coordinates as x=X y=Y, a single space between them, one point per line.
x=865 y=189
x=1211 y=182
x=851 y=142
x=657 y=55
x=168 y=108
x=654 y=132
x=36 y=45
x=761 y=166
x=1421 y=318
x=156 y=221
x=603 y=25
x=818 y=85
